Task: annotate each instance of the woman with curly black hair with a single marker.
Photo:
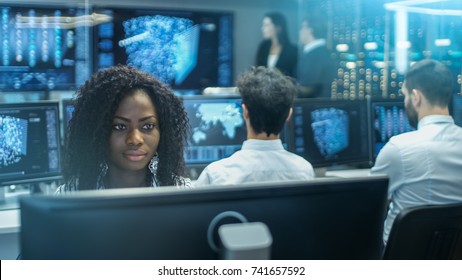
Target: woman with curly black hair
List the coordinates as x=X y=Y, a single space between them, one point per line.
x=127 y=130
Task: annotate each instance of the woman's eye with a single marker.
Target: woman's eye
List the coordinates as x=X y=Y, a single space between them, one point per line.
x=149 y=126
x=118 y=126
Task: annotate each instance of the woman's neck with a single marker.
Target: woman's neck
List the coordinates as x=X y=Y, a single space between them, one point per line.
x=275 y=46
x=130 y=179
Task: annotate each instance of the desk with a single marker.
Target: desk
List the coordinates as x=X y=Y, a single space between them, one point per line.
x=10 y=225
x=349 y=173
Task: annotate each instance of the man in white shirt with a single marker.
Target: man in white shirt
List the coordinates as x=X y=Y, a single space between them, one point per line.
x=424 y=166
x=267 y=97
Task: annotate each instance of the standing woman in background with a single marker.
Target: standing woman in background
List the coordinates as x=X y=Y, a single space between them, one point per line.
x=276 y=50
x=127 y=130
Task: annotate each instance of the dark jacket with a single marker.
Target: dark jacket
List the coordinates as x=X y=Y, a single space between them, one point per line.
x=287 y=61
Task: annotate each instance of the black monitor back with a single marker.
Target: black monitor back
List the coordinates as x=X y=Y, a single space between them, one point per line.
x=318 y=219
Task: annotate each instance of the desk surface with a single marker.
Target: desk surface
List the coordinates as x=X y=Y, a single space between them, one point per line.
x=10 y=221
x=349 y=173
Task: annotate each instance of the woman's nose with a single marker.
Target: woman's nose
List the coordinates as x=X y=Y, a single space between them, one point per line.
x=134 y=137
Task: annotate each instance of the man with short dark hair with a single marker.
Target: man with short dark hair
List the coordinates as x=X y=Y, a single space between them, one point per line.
x=424 y=166
x=267 y=98
x=316 y=69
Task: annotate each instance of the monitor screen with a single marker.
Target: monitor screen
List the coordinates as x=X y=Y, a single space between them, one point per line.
x=334 y=218
x=67 y=111
x=456 y=111
x=328 y=132
x=30 y=141
x=217 y=128
x=388 y=118
x=43 y=48
x=188 y=50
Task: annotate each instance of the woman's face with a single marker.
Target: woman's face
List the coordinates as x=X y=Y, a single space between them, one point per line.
x=268 y=28
x=135 y=133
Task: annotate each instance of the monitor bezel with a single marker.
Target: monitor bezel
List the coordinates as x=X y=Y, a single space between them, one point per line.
x=364 y=159
x=36 y=177
x=121 y=10
x=200 y=98
x=44 y=220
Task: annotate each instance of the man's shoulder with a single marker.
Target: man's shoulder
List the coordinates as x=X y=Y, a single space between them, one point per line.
x=405 y=138
x=297 y=160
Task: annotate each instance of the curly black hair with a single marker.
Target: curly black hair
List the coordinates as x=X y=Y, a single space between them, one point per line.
x=268 y=95
x=90 y=127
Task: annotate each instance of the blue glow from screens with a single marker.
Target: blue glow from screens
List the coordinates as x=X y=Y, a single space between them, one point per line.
x=218 y=129
x=13 y=139
x=29 y=141
x=38 y=52
x=165 y=47
x=389 y=119
x=327 y=132
x=68 y=111
x=187 y=50
x=330 y=130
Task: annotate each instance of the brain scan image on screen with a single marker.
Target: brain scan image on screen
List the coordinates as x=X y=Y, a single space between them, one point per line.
x=13 y=140
x=166 y=47
x=330 y=130
x=228 y=115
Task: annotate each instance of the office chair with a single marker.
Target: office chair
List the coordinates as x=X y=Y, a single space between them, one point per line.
x=426 y=232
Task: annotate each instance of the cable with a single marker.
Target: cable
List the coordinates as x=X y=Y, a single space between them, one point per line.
x=214 y=222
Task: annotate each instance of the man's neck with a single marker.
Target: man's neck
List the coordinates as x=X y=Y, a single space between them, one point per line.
x=261 y=136
x=435 y=110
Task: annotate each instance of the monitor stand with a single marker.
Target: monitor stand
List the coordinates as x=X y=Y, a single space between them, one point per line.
x=2 y=194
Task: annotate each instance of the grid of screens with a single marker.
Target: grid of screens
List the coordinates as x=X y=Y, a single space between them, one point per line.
x=30 y=141
x=327 y=132
x=189 y=50
x=370 y=35
x=388 y=118
x=218 y=128
x=42 y=48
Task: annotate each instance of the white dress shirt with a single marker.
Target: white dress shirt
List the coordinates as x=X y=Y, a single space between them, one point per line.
x=315 y=44
x=424 y=166
x=257 y=161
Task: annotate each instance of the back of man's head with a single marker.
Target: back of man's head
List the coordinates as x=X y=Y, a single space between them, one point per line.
x=268 y=95
x=433 y=79
x=317 y=25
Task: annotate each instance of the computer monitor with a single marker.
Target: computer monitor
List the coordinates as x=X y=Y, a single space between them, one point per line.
x=43 y=48
x=330 y=132
x=30 y=142
x=388 y=118
x=326 y=218
x=186 y=49
x=456 y=111
x=217 y=128
x=68 y=108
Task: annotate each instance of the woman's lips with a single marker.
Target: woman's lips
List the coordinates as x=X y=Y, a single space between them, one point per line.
x=134 y=156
